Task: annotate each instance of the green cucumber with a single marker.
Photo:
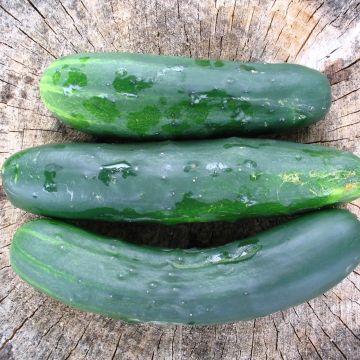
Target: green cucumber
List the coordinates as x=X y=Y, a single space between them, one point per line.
x=148 y=96
x=177 y=182
x=274 y=270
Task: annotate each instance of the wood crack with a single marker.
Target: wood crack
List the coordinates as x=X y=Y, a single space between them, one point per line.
x=342 y=96
x=19 y=328
x=333 y=342
x=315 y=11
x=44 y=48
x=78 y=341
x=116 y=347
x=51 y=327
x=232 y=16
x=313 y=345
x=306 y=39
x=252 y=340
x=327 y=141
x=8 y=293
x=341 y=320
x=348 y=66
x=9 y=13
x=43 y=17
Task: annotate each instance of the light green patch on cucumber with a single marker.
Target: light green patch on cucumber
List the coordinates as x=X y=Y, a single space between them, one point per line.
x=56 y=77
x=79 y=120
x=218 y=63
x=130 y=84
x=50 y=175
x=203 y=62
x=101 y=108
x=76 y=78
x=84 y=59
x=142 y=121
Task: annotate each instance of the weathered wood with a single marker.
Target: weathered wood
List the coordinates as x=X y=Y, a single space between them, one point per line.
x=321 y=34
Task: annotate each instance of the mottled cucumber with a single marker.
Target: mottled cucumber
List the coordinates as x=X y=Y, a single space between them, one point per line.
x=175 y=182
x=274 y=270
x=149 y=96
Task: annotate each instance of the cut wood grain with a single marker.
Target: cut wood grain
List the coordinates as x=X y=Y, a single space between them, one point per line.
x=321 y=34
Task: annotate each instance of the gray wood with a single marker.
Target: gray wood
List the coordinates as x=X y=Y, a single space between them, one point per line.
x=321 y=34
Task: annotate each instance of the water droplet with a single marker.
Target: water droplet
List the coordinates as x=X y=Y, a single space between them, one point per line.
x=194 y=180
x=107 y=84
x=71 y=299
x=62 y=247
x=207 y=309
x=154 y=301
x=131 y=269
x=163 y=177
x=254 y=176
x=108 y=172
x=153 y=284
x=34 y=195
x=272 y=80
x=250 y=164
x=162 y=154
x=79 y=281
x=311 y=108
x=174 y=289
x=182 y=302
x=323 y=108
x=190 y=314
x=147 y=291
x=172 y=193
x=246 y=293
x=282 y=119
x=110 y=296
x=298 y=157
x=265 y=124
x=190 y=166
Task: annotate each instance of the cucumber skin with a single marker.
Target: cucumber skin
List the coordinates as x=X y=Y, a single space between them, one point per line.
x=178 y=182
x=286 y=266
x=160 y=97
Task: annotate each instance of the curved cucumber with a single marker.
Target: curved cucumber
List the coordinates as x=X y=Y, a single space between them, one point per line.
x=171 y=182
x=242 y=280
x=149 y=96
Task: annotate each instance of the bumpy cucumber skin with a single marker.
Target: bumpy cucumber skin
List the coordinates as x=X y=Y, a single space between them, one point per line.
x=149 y=96
x=178 y=182
x=274 y=270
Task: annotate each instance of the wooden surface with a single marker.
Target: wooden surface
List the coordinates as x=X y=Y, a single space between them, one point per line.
x=321 y=34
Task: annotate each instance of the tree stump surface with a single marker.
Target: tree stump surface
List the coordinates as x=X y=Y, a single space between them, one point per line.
x=321 y=34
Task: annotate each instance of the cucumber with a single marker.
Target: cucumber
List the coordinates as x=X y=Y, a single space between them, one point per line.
x=147 y=96
x=178 y=182
x=274 y=270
